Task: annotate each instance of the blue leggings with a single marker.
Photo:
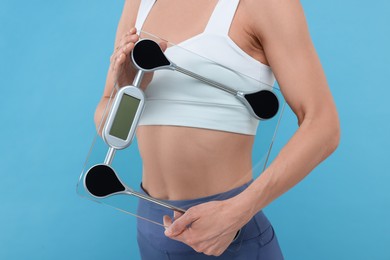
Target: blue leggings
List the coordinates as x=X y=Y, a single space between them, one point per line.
x=256 y=240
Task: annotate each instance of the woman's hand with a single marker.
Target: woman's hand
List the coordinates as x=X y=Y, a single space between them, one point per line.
x=121 y=72
x=208 y=228
x=120 y=62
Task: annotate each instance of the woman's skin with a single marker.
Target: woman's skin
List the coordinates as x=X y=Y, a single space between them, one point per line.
x=185 y=163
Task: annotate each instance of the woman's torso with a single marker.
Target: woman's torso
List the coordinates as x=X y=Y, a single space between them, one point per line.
x=184 y=162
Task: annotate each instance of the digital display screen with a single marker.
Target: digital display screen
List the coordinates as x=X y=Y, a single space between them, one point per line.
x=124 y=117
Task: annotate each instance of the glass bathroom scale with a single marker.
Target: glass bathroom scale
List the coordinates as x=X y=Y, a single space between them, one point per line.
x=112 y=172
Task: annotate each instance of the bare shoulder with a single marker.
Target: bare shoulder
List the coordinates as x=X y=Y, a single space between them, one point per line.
x=274 y=18
x=130 y=9
x=129 y=16
x=281 y=27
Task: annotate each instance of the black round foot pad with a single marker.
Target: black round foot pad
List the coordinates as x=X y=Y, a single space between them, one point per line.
x=264 y=103
x=101 y=180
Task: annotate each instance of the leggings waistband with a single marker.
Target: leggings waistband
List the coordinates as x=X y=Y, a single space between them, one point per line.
x=185 y=204
x=155 y=234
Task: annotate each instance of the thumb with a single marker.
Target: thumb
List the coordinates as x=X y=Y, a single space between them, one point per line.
x=167 y=221
x=180 y=224
x=163 y=45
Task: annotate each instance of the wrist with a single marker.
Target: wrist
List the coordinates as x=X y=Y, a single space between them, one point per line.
x=242 y=208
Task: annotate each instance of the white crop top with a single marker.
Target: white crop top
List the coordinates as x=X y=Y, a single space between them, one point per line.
x=176 y=99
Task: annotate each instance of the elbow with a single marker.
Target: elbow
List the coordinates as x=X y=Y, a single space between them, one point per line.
x=97 y=119
x=335 y=136
x=97 y=123
x=327 y=128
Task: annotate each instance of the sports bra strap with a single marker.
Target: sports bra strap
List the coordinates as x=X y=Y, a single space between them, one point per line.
x=219 y=22
x=143 y=11
x=222 y=17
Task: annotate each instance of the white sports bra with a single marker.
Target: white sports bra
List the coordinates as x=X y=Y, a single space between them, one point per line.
x=176 y=99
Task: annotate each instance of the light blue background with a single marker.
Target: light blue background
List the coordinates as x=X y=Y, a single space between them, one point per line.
x=53 y=60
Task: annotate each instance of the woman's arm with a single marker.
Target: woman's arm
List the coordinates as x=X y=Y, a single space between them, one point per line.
x=285 y=38
x=120 y=70
x=281 y=28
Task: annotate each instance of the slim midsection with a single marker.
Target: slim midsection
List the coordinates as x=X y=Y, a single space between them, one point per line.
x=186 y=163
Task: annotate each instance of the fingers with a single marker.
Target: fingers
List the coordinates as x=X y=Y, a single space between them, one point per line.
x=130 y=35
x=167 y=221
x=181 y=223
x=121 y=55
x=201 y=228
x=126 y=39
x=123 y=49
x=215 y=246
